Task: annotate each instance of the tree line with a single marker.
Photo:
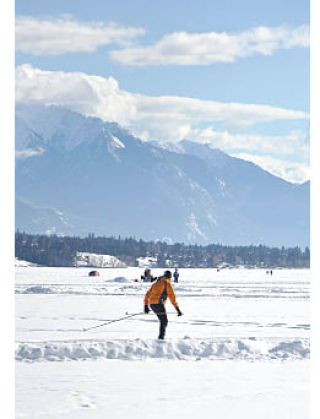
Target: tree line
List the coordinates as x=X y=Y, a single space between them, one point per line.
x=53 y=250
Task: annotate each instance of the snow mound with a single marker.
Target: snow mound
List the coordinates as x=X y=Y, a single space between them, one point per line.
x=38 y=289
x=120 y=279
x=23 y=263
x=181 y=349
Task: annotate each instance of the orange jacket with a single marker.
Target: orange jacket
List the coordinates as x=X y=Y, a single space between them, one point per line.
x=159 y=292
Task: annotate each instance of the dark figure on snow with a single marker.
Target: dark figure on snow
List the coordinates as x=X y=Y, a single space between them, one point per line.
x=147 y=276
x=157 y=298
x=176 y=275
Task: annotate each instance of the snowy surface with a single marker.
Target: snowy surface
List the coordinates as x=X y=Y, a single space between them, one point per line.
x=241 y=348
x=23 y=263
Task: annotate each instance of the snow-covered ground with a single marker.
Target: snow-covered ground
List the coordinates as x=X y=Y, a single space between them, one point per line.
x=23 y=263
x=241 y=349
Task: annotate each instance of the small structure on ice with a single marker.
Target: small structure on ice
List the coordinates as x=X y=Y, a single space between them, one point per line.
x=147 y=262
x=98 y=261
x=94 y=273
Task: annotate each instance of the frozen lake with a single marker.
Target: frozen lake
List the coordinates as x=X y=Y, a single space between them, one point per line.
x=241 y=347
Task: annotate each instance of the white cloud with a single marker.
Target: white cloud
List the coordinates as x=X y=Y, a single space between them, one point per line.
x=162 y=117
x=291 y=171
x=294 y=143
x=28 y=152
x=64 y=34
x=89 y=95
x=182 y=48
x=286 y=156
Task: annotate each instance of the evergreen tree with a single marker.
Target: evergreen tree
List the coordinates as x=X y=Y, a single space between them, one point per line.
x=60 y=251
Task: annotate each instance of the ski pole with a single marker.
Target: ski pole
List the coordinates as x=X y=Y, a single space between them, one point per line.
x=112 y=321
x=127 y=316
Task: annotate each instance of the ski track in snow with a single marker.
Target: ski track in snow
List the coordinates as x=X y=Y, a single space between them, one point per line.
x=214 y=290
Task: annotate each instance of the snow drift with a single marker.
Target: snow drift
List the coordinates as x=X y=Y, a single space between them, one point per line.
x=23 y=263
x=180 y=349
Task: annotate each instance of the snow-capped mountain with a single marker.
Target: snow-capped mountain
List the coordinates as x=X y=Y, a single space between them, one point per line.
x=76 y=175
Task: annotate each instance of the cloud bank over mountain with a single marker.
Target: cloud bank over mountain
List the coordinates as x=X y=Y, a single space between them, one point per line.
x=169 y=118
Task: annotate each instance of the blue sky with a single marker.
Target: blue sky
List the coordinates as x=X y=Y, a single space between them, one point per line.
x=278 y=78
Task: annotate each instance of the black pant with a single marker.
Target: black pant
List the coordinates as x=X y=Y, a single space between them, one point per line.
x=160 y=311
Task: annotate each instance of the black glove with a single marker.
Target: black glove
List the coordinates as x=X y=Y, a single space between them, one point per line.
x=146 y=309
x=178 y=311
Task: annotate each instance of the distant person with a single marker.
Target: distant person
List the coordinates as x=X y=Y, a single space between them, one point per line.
x=147 y=276
x=271 y=272
x=176 y=275
x=157 y=298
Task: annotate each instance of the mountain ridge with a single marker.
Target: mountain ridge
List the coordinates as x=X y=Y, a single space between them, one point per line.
x=107 y=181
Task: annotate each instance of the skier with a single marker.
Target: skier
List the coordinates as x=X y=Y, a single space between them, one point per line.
x=176 y=275
x=157 y=298
x=147 y=277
